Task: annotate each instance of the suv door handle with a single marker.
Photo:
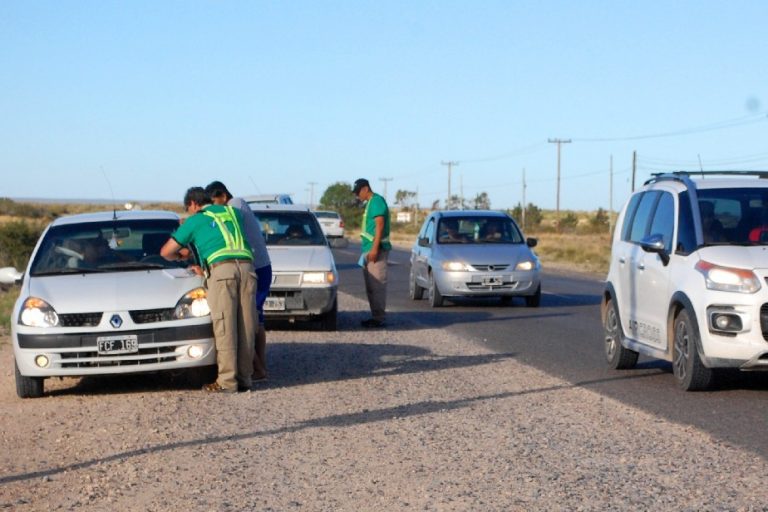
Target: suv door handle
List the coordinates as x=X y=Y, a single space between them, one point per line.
x=622 y=260
x=641 y=265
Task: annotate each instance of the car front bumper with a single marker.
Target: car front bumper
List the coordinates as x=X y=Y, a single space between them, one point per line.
x=479 y=284
x=302 y=302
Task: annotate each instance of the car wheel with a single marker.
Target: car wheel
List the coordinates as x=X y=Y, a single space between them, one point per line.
x=201 y=375
x=329 y=320
x=619 y=358
x=506 y=300
x=435 y=297
x=28 y=387
x=533 y=301
x=415 y=292
x=689 y=371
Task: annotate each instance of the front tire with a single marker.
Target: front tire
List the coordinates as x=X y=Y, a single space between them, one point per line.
x=689 y=371
x=415 y=292
x=329 y=320
x=619 y=358
x=435 y=297
x=533 y=301
x=28 y=387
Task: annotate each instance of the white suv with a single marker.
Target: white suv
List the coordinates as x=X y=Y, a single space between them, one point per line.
x=687 y=279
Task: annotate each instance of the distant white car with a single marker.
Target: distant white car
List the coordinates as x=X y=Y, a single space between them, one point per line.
x=304 y=276
x=269 y=199
x=97 y=298
x=331 y=223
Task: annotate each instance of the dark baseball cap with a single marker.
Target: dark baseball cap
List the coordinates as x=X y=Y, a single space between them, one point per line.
x=359 y=184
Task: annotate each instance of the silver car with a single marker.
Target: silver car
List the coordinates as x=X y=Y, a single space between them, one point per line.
x=331 y=223
x=97 y=298
x=304 y=276
x=473 y=253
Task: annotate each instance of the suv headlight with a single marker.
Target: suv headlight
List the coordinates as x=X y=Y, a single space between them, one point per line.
x=38 y=313
x=456 y=266
x=318 y=277
x=192 y=305
x=727 y=279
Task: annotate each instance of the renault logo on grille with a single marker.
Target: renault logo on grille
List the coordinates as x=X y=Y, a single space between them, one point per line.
x=116 y=321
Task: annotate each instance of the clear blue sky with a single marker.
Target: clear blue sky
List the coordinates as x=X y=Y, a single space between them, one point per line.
x=272 y=96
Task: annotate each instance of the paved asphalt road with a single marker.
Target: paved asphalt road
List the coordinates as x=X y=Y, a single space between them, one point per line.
x=563 y=337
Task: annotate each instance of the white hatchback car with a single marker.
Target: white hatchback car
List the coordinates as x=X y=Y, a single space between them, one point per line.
x=688 y=276
x=304 y=277
x=331 y=223
x=97 y=299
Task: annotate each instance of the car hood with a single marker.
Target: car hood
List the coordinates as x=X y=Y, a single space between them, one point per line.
x=483 y=253
x=114 y=291
x=736 y=256
x=288 y=259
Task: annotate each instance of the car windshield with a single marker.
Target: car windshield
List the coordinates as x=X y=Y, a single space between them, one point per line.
x=120 y=245
x=734 y=216
x=478 y=230
x=290 y=228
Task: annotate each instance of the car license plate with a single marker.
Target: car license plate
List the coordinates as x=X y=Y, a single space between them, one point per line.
x=108 y=345
x=274 y=304
x=492 y=281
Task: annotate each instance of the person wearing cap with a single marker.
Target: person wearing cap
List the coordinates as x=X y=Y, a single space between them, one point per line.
x=217 y=233
x=262 y=265
x=375 y=247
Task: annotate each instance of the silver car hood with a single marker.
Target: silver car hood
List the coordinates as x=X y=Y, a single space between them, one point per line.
x=301 y=258
x=483 y=253
x=736 y=256
x=114 y=291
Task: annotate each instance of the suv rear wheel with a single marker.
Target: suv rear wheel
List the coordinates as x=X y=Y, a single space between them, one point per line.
x=689 y=371
x=619 y=358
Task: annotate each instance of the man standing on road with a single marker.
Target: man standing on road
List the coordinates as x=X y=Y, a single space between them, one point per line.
x=261 y=265
x=217 y=232
x=374 y=232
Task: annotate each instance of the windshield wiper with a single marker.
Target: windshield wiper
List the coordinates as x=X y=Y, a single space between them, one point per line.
x=61 y=271
x=136 y=265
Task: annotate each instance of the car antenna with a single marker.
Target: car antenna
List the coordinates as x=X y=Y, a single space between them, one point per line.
x=254 y=185
x=112 y=192
x=701 y=167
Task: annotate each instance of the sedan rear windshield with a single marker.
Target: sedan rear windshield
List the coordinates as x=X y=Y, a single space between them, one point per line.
x=478 y=230
x=120 y=245
x=290 y=228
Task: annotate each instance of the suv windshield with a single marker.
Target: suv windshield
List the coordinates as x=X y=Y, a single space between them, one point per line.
x=118 y=245
x=734 y=216
x=290 y=228
x=478 y=230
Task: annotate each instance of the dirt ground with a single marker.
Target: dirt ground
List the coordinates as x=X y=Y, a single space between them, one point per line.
x=406 y=418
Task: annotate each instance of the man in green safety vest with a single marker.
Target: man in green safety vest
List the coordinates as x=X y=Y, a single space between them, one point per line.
x=217 y=233
x=375 y=247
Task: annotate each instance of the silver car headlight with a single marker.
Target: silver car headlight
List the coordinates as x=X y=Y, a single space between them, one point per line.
x=38 y=313
x=192 y=305
x=525 y=265
x=318 y=277
x=456 y=266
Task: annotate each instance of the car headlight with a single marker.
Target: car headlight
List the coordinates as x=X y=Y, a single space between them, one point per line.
x=192 y=305
x=318 y=277
x=456 y=266
x=727 y=279
x=38 y=313
x=525 y=265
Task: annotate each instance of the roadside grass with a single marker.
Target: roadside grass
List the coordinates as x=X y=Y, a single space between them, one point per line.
x=7 y=299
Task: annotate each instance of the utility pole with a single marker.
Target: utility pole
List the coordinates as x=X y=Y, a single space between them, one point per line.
x=450 y=165
x=559 y=142
x=610 y=199
x=312 y=194
x=385 y=180
x=634 y=168
x=461 y=191
x=523 y=208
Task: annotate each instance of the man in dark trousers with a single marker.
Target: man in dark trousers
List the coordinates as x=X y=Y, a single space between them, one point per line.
x=375 y=247
x=217 y=233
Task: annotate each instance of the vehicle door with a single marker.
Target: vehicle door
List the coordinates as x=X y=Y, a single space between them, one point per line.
x=652 y=277
x=422 y=252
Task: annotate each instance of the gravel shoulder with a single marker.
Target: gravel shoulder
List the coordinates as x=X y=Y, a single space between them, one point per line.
x=401 y=419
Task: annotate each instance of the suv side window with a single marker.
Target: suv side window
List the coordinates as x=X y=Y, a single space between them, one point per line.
x=631 y=208
x=642 y=218
x=663 y=222
x=686 y=235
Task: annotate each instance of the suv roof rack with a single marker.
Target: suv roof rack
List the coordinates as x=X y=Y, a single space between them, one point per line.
x=680 y=175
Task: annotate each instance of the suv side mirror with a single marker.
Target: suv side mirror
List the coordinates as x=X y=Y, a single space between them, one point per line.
x=9 y=275
x=531 y=242
x=655 y=243
x=424 y=242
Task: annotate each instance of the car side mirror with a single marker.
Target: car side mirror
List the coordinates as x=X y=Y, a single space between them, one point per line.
x=531 y=242
x=9 y=275
x=423 y=242
x=655 y=244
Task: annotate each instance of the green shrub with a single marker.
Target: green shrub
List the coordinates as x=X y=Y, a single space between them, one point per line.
x=17 y=240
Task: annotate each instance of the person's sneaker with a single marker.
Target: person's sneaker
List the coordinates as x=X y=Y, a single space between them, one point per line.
x=372 y=323
x=214 y=387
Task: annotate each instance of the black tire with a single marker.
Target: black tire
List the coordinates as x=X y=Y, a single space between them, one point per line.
x=28 y=387
x=435 y=297
x=619 y=358
x=201 y=375
x=329 y=320
x=506 y=300
x=533 y=301
x=415 y=292
x=690 y=373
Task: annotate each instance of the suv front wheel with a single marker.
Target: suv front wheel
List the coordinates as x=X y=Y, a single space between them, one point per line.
x=689 y=371
x=619 y=358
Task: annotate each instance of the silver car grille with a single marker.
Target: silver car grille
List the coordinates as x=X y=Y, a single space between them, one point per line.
x=80 y=319
x=493 y=267
x=91 y=359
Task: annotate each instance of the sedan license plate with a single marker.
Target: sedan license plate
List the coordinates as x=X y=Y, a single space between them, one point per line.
x=274 y=304
x=109 y=345
x=492 y=281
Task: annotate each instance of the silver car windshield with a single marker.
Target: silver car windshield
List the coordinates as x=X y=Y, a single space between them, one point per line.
x=478 y=230
x=108 y=246
x=290 y=228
